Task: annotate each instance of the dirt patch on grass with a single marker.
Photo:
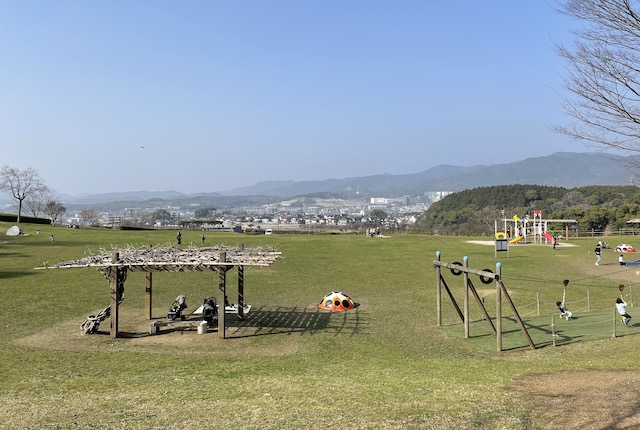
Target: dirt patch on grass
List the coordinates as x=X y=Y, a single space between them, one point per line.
x=493 y=242
x=613 y=271
x=583 y=399
x=265 y=332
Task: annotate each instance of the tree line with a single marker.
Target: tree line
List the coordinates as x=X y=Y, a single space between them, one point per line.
x=474 y=211
x=29 y=190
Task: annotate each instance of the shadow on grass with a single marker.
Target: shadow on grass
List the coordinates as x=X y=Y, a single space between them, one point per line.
x=539 y=332
x=588 y=327
x=271 y=321
x=265 y=321
x=15 y=274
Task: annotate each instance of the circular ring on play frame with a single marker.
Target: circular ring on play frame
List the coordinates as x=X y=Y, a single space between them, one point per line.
x=484 y=279
x=456 y=272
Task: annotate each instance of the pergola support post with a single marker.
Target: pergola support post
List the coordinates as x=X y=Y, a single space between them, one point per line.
x=114 y=281
x=241 y=293
x=148 y=302
x=222 y=285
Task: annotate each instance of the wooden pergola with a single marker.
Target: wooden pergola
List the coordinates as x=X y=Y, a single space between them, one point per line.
x=116 y=263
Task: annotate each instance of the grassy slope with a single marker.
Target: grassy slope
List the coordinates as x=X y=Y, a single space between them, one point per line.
x=385 y=365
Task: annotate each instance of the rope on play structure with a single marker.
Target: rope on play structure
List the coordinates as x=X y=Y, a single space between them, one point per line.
x=92 y=323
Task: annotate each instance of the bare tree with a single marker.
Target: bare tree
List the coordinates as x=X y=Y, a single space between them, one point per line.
x=54 y=210
x=21 y=184
x=604 y=76
x=36 y=201
x=89 y=215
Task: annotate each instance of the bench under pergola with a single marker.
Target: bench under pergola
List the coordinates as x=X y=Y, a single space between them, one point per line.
x=116 y=263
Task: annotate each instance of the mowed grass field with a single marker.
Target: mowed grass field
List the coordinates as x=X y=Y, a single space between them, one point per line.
x=385 y=365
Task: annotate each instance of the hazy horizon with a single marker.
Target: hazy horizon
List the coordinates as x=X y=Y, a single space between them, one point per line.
x=211 y=96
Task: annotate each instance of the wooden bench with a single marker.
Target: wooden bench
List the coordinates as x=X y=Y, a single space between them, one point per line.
x=154 y=326
x=190 y=321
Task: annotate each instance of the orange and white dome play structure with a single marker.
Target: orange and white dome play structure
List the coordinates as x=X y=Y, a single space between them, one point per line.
x=336 y=301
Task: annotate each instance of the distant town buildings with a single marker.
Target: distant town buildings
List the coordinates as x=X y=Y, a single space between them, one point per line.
x=434 y=196
x=292 y=214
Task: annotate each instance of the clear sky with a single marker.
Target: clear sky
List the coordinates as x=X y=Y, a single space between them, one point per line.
x=201 y=96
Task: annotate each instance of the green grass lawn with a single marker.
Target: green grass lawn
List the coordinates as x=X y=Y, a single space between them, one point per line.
x=385 y=365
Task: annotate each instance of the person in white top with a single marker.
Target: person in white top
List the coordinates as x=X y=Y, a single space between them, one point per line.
x=564 y=312
x=621 y=306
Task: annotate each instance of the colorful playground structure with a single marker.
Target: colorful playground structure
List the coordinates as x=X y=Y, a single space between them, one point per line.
x=527 y=230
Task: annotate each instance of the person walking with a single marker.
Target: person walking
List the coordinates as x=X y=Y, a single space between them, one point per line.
x=179 y=238
x=597 y=251
x=621 y=306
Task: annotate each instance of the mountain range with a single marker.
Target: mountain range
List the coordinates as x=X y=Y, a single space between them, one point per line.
x=564 y=169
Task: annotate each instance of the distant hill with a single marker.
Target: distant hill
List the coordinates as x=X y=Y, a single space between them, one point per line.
x=132 y=196
x=474 y=211
x=562 y=169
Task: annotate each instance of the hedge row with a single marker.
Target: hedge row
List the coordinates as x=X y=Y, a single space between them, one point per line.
x=24 y=219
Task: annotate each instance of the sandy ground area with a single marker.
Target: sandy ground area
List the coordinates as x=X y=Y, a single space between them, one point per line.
x=492 y=243
x=584 y=399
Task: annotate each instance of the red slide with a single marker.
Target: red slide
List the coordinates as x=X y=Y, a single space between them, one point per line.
x=547 y=236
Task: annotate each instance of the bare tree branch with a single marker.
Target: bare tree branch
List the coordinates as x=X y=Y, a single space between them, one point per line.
x=21 y=184
x=604 y=77
x=54 y=210
x=36 y=201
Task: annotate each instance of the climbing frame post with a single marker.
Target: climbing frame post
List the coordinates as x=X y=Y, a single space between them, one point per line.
x=465 y=276
x=498 y=309
x=438 y=291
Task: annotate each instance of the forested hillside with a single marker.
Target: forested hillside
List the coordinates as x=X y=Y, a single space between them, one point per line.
x=474 y=211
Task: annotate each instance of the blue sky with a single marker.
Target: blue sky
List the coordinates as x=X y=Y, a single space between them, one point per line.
x=224 y=94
